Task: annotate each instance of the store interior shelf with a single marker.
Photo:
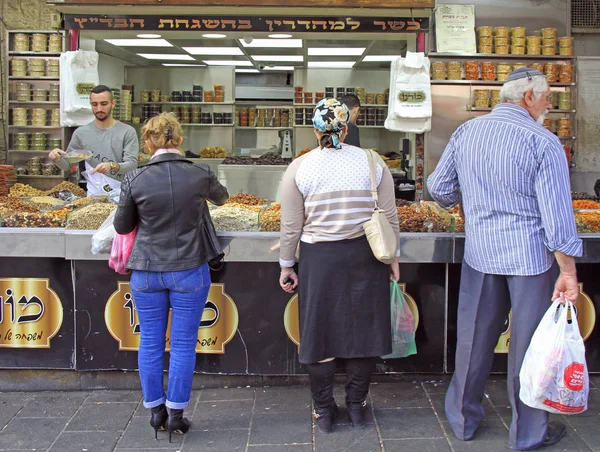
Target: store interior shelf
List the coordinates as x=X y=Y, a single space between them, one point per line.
x=32 y=53
x=28 y=151
x=502 y=56
x=33 y=102
x=263 y=128
x=206 y=125
x=362 y=105
x=182 y=103
x=34 y=127
x=30 y=77
x=484 y=82
x=490 y=109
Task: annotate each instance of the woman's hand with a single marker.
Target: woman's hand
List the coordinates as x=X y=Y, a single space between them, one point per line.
x=395 y=271
x=288 y=272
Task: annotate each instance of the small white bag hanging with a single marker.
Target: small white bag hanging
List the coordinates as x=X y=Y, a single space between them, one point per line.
x=410 y=108
x=79 y=70
x=554 y=375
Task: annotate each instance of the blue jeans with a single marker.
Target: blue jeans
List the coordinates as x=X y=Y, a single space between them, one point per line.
x=185 y=292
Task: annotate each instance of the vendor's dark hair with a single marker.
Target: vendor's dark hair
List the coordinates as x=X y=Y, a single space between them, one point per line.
x=102 y=89
x=350 y=100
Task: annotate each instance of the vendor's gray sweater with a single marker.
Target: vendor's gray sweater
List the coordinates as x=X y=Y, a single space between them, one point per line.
x=118 y=144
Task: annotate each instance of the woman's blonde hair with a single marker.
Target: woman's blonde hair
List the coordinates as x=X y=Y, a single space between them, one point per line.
x=163 y=131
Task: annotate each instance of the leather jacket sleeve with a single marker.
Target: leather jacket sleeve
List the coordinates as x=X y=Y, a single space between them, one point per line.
x=217 y=193
x=126 y=217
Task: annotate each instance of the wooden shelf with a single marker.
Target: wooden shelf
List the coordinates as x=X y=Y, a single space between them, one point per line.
x=32 y=53
x=33 y=102
x=34 y=127
x=30 y=77
x=30 y=176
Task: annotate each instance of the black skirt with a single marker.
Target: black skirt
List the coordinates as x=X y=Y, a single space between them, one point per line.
x=344 y=301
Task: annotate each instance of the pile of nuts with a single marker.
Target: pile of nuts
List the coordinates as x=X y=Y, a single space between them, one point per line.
x=210 y=152
x=587 y=221
x=67 y=186
x=33 y=220
x=234 y=219
x=44 y=202
x=19 y=190
x=419 y=218
x=247 y=199
x=90 y=216
x=270 y=219
x=15 y=204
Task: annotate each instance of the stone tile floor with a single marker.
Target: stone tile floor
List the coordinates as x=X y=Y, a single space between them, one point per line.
x=404 y=416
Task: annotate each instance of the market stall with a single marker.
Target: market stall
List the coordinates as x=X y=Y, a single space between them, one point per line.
x=245 y=102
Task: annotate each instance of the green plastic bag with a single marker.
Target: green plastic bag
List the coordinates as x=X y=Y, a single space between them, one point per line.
x=403 y=325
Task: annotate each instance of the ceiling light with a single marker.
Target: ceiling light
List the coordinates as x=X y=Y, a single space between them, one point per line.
x=228 y=62
x=214 y=35
x=248 y=71
x=380 y=58
x=279 y=68
x=183 y=64
x=148 y=35
x=165 y=56
x=290 y=58
x=213 y=50
x=332 y=51
x=279 y=43
x=331 y=64
x=139 y=42
x=280 y=36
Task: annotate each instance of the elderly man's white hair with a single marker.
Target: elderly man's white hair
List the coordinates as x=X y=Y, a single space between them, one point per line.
x=515 y=90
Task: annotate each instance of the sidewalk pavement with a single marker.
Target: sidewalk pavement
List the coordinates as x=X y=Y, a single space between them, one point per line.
x=403 y=416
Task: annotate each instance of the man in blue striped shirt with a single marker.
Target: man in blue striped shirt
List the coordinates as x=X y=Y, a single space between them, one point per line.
x=513 y=178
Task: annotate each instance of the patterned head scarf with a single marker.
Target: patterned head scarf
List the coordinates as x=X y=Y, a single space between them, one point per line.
x=330 y=118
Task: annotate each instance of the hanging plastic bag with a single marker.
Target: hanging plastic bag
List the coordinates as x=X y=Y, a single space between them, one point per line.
x=103 y=238
x=120 y=251
x=554 y=375
x=403 y=325
x=100 y=184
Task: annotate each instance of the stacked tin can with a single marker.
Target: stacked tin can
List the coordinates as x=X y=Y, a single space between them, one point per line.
x=21 y=141
x=53 y=92
x=18 y=67
x=34 y=166
x=37 y=67
x=565 y=46
x=484 y=39
x=38 y=142
x=21 y=42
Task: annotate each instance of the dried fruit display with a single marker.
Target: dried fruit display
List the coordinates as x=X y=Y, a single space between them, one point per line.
x=89 y=217
x=210 y=152
x=19 y=190
x=270 y=219
x=33 y=220
x=234 y=219
x=585 y=204
x=67 y=186
x=587 y=222
x=16 y=205
x=248 y=199
x=420 y=218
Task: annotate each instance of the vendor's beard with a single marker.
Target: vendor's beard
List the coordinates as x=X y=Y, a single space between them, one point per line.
x=542 y=117
x=105 y=117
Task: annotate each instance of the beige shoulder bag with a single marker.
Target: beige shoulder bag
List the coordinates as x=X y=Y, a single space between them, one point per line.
x=378 y=230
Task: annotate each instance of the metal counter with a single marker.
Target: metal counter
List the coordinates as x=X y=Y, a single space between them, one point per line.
x=246 y=246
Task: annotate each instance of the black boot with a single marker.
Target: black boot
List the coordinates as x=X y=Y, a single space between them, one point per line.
x=321 y=377
x=177 y=423
x=158 y=419
x=359 y=372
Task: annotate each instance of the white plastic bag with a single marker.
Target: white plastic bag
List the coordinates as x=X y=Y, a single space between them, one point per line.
x=103 y=238
x=100 y=184
x=554 y=375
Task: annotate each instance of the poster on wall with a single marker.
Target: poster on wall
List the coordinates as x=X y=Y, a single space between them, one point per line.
x=455 y=29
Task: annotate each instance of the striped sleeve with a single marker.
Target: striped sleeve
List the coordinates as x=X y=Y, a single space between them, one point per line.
x=292 y=216
x=552 y=187
x=442 y=184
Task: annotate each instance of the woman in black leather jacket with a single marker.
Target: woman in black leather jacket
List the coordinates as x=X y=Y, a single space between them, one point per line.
x=166 y=200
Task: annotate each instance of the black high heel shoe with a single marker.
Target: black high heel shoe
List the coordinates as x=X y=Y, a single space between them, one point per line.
x=158 y=419
x=176 y=423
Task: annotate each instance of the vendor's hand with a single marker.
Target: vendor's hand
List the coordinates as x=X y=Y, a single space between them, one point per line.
x=395 y=271
x=566 y=287
x=102 y=168
x=55 y=154
x=285 y=274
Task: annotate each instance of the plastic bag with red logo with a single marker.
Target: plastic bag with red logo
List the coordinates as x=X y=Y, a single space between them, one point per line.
x=120 y=251
x=554 y=375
